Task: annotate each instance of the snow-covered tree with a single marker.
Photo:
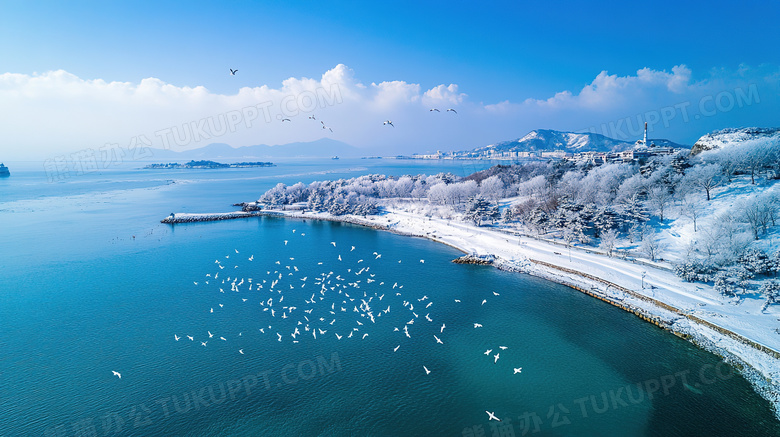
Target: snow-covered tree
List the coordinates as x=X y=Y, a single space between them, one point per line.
x=657 y=200
x=692 y=207
x=704 y=177
x=479 y=209
x=492 y=188
x=756 y=261
x=724 y=284
x=691 y=270
x=276 y=196
x=651 y=247
x=771 y=291
x=608 y=240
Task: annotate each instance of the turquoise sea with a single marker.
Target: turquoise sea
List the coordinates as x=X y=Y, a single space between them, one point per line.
x=92 y=283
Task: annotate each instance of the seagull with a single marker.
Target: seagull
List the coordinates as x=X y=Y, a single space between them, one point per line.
x=495 y=294
x=503 y=348
x=396 y=348
x=492 y=416
x=353 y=248
x=285 y=119
x=241 y=351
x=388 y=122
x=204 y=343
x=452 y=110
x=233 y=72
x=434 y=109
x=517 y=370
x=210 y=334
x=426 y=370
x=477 y=325
x=422 y=261
x=457 y=300
x=119 y=375
x=483 y=301
x=191 y=338
x=495 y=358
x=176 y=337
x=487 y=352
x=333 y=243
x=222 y=338
x=311 y=117
x=442 y=328
x=338 y=336
x=438 y=340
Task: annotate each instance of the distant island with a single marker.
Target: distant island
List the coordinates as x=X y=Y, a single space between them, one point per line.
x=210 y=164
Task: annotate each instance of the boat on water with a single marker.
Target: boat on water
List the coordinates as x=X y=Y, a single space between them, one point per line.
x=4 y=171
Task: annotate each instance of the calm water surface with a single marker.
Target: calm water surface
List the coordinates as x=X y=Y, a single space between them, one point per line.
x=92 y=283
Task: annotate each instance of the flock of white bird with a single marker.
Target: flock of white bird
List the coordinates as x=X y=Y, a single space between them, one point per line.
x=350 y=304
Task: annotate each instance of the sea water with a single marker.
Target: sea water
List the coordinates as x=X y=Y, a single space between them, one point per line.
x=93 y=283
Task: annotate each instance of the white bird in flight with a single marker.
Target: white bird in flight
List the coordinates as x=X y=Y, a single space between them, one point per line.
x=487 y=352
x=176 y=337
x=452 y=110
x=388 y=122
x=495 y=358
x=517 y=370
x=426 y=370
x=477 y=325
x=438 y=340
x=118 y=375
x=492 y=416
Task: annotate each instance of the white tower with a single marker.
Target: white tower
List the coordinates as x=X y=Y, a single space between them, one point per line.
x=645 y=134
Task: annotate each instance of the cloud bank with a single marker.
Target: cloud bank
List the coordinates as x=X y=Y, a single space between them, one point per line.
x=56 y=112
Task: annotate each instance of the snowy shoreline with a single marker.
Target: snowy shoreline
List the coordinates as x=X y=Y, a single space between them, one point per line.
x=742 y=335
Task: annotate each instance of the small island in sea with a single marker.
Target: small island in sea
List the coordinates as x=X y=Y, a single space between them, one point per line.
x=210 y=164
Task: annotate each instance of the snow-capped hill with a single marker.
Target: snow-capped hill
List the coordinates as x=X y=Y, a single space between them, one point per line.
x=549 y=140
x=731 y=136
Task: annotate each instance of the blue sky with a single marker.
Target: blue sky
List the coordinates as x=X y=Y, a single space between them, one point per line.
x=492 y=51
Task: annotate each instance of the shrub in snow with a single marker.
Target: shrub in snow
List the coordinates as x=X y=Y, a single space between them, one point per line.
x=695 y=270
x=771 y=291
x=479 y=209
x=756 y=261
x=725 y=285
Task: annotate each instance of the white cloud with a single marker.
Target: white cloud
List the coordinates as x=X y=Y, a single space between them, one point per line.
x=56 y=112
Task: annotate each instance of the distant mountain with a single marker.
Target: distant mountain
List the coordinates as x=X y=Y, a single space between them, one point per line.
x=322 y=148
x=548 y=140
x=726 y=137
